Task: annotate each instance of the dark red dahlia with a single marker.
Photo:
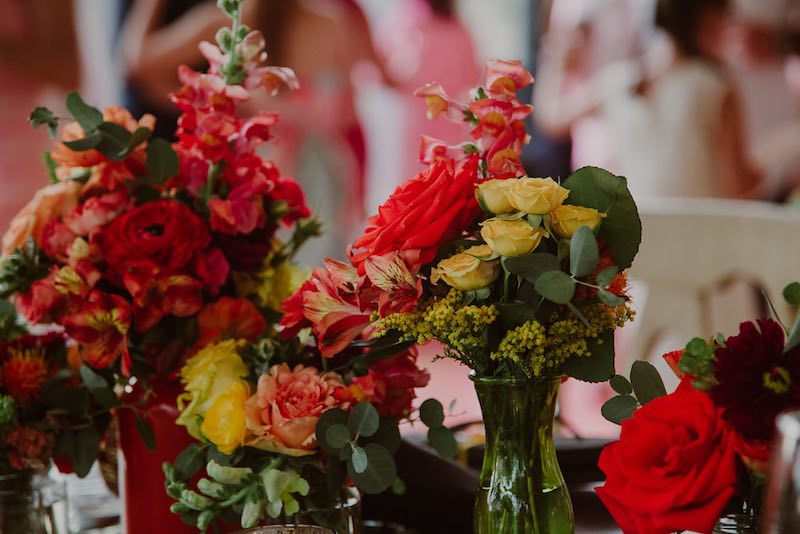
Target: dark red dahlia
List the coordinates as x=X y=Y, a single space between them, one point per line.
x=755 y=380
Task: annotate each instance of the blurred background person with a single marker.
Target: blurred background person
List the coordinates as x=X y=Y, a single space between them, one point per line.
x=675 y=126
x=39 y=62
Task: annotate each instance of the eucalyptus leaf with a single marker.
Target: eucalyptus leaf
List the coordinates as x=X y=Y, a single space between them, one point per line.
x=618 y=408
x=607 y=276
x=610 y=299
x=531 y=266
x=115 y=141
x=87 y=445
x=359 y=460
x=646 y=382
x=388 y=435
x=442 y=439
x=583 y=252
x=87 y=143
x=363 y=420
x=329 y=418
x=556 y=286
x=792 y=293
x=381 y=471
x=599 y=365
x=432 y=413
x=87 y=116
x=162 y=161
x=621 y=385
x=337 y=436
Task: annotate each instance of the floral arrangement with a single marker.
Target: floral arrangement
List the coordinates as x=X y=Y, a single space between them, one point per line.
x=516 y=276
x=142 y=252
x=708 y=443
x=47 y=413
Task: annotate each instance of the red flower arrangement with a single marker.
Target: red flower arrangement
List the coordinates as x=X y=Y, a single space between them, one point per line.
x=685 y=459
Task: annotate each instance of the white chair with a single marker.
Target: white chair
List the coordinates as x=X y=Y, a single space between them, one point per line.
x=693 y=247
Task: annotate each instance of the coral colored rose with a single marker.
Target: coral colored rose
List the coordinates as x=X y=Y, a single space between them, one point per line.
x=539 y=196
x=283 y=413
x=494 y=195
x=165 y=232
x=674 y=467
x=51 y=202
x=511 y=238
x=467 y=271
x=424 y=213
x=566 y=219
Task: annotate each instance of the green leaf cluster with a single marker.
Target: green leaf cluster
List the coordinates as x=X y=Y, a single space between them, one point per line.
x=441 y=438
x=698 y=361
x=644 y=386
x=20 y=269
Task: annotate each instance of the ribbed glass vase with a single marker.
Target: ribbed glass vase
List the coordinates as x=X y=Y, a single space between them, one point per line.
x=521 y=485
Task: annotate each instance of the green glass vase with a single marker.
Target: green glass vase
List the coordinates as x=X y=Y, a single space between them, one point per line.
x=521 y=485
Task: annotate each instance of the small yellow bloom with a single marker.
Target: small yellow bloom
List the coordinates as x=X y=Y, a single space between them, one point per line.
x=224 y=422
x=538 y=196
x=511 y=238
x=466 y=271
x=206 y=375
x=493 y=194
x=567 y=219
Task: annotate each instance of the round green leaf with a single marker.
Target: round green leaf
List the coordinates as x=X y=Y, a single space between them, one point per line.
x=334 y=416
x=792 y=293
x=87 y=116
x=646 y=382
x=621 y=385
x=531 y=266
x=610 y=299
x=337 y=436
x=583 y=252
x=599 y=366
x=363 y=420
x=388 y=435
x=556 y=286
x=432 y=413
x=442 y=439
x=381 y=471
x=618 y=408
x=607 y=275
x=359 y=459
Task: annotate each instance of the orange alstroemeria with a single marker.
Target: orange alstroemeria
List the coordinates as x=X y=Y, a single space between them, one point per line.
x=229 y=318
x=101 y=326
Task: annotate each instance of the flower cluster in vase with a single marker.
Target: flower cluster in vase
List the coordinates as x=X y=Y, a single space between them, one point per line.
x=687 y=458
x=142 y=252
x=518 y=277
x=47 y=413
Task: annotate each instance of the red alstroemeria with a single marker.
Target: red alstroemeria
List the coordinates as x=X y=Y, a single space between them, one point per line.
x=395 y=274
x=505 y=78
x=156 y=295
x=294 y=318
x=229 y=318
x=43 y=302
x=101 y=326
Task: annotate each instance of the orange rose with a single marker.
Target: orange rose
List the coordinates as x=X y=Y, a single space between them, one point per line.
x=51 y=202
x=283 y=413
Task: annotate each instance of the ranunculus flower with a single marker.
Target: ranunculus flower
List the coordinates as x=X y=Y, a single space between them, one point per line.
x=165 y=232
x=494 y=195
x=538 y=196
x=674 y=467
x=511 y=238
x=224 y=421
x=566 y=219
x=283 y=413
x=423 y=213
x=467 y=271
x=206 y=375
x=755 y=380
x=50 y=202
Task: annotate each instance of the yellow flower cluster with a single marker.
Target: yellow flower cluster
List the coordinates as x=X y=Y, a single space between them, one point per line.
x=270 y=286
x=539 y=350
x=446 y=320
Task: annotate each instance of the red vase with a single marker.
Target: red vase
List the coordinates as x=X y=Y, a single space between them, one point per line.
x=146 y=503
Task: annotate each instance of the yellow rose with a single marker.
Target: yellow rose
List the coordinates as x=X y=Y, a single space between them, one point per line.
x=492 y=193
x=466 y=271
x=567 y=219
x=224 y=422
x=206 y=375
x=538 y=196
x=511 y=238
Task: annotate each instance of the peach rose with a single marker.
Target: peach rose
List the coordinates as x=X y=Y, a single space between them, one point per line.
x=50 y=202
x=283 y=413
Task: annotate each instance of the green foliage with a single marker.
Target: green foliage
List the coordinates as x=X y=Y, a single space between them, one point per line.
x=621 y=229
x=443 y=441
x=610 y=299
x=87 y=116
x=556 y=286
x=431 y=413
x=10 y=325
x=42 y=116
x=146 y=433
x=8 y=411
x=621 y=385
x=698 y=361
x=363 y=420
x=583 y=252
x=531 y=266
x=618 y=408
x=162 y=161
x=599 y=366
x=792 y=293
x=646 y=382
x=22 y=268
x=81 y=445
x=607 y=276
x=189 y=462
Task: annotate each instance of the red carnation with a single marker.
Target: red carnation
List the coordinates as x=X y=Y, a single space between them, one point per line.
x=423 y=213
x=755 y=380
x=165 y=232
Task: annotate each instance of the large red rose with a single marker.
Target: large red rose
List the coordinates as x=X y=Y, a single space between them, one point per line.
x=423 y=213
x=674 y=467
x=165 y=232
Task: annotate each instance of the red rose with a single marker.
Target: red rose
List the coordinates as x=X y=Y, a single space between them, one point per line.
x=423 y=213
x=674 y=467
x=165 y=232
